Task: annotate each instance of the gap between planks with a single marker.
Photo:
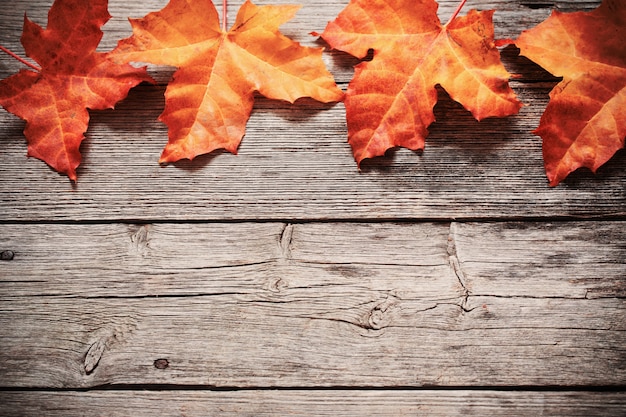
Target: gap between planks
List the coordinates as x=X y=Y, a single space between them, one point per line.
x=320 y=403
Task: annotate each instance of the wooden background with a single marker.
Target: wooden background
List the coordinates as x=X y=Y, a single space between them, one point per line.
x=283 y=281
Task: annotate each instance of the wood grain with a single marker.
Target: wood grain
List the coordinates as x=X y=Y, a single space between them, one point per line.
x=300 y=171
x=558 y=259
x=283 y=281
x=314 y=338
x=326 y=304
x=315 y=403
x=295 y=163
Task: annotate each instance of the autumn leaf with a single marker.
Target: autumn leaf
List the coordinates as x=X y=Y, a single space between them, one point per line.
x=209 y=100
x=390 y=100
x=584 y=123
x=53 y=99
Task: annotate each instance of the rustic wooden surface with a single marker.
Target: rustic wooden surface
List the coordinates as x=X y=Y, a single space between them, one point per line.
x=283 y=281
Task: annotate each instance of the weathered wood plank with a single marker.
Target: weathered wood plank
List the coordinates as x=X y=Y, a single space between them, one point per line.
x=315 y=338
x=491 y=169
x=314 y=403
x=314 y=305
x=568 y=259
x=248 y=305
x=580 y=260
x=294 y=162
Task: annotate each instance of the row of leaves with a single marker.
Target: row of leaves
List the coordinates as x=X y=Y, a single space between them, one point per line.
x=389 y=102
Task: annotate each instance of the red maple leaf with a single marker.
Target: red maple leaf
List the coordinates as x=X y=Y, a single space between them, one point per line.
x=584 y=123
x=209 y=100
x=53 y=99
x=390 y=100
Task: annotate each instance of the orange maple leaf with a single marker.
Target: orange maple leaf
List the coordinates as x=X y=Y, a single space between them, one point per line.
x=389 y=102
x=209 y=100
x=584 y=123
x=73 y=77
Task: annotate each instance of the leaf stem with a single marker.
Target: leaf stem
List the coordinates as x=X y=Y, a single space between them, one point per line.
x=22 y=60
x=456 y=12
x=224 y=15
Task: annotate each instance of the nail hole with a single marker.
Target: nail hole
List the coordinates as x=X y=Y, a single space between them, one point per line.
x=161 y=363
x=7 y=255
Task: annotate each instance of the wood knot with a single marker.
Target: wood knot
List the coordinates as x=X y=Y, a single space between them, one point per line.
x=140 y=238
x=378 y=317
x=93 y=355
x=277 y=285
x=7 y=255
x=161 y=363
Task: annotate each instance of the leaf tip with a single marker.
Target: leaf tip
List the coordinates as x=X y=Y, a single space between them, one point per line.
x=553 y=182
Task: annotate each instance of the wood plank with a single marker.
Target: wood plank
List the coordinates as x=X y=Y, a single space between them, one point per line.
x=294 y=162
x=300 y=171
x=309 y=305
x=315 y=338
x=515 y=258
x=314 y=403
x=283 y=305
x=588 y=257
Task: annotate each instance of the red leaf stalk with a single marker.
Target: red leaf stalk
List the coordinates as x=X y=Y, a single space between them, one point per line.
x=224 y=15
x=22 y=60
x=456 y=12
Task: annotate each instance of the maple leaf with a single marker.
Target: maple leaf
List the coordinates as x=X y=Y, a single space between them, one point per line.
x=209 y=100
x=390 y=100
x=584 y=123
x=53 y=99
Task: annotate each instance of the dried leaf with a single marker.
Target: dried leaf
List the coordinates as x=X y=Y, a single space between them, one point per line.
x=209 y=100
x=390 y=100
x=584 y=123
x=73 y=78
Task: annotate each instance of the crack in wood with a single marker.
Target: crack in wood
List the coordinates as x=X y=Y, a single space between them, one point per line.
x=375 y=318
x=374 y=321
x=455 y=265
x=284 y=240
x=162 y=296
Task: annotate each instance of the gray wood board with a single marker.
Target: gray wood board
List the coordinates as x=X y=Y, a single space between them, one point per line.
x=294 y=162
x=308 y=305
x=136 y=276
x=558 y=259
x=313 y=403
